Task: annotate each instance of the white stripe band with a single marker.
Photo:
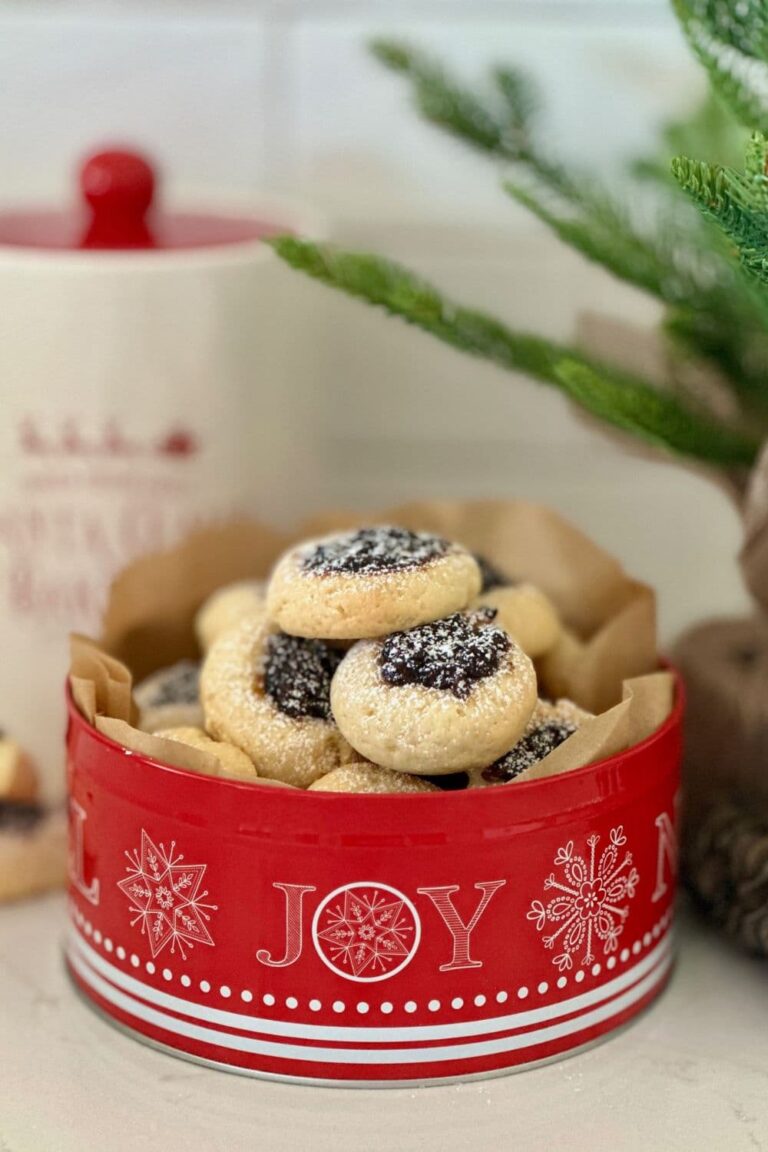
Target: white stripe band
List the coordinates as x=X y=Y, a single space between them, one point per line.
x=354 y=1035
x=368 y=1056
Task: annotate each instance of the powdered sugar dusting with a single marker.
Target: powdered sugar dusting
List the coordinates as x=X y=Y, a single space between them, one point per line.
x=549 y=726
x=534 y=746
x=298 y=674
x=371 y=551
x=450 y=654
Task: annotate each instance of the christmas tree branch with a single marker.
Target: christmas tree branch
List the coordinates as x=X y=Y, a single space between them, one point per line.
x=735 y=202
x=673 y=265
x=614 y=397
x=731 y=41
x=500 y=128
x=445 y=103
x=605 y=237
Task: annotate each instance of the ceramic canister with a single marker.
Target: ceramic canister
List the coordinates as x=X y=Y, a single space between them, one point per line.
x=149 y=369
x=371 y=939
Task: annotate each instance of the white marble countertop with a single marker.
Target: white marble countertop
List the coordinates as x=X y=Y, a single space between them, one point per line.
x=691 y=1074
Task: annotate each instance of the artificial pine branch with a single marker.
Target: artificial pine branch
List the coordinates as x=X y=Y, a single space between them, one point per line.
x=614 y=397
x=646 y=413
x=520 y=97
x=741 y=24
x=606 y=238
x=579 y=212
x=500 y=128
x=730 y=39
x=446 y=104
x=710 y=129
x=733 y=201
x=716 y=315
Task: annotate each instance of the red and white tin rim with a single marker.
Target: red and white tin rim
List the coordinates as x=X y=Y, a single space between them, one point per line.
x=335 y=1046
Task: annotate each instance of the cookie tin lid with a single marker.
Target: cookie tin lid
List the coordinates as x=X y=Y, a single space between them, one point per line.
x=118 y=212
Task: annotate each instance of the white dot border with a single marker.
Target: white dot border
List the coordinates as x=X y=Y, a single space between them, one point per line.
x=408 y=1007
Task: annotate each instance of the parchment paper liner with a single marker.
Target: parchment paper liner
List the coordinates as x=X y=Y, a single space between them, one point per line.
x=148 y=623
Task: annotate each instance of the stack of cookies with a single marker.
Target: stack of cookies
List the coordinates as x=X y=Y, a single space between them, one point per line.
x=377 y=660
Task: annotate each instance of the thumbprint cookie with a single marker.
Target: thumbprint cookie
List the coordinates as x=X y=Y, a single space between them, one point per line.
x=444 y=697
x=370 y=582
x=269 y=694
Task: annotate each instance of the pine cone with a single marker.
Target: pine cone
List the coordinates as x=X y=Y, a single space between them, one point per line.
x=726 y=867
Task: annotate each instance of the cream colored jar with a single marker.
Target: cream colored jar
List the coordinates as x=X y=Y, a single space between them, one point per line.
x=143 y=390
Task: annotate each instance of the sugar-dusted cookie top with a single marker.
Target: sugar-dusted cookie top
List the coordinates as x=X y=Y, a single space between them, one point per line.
x=370 y=582
x=441 y=698
x=452 y=654
x=372 y=551
x=298 y=674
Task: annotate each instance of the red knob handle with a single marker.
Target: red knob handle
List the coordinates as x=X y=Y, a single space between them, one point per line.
x=119 y=187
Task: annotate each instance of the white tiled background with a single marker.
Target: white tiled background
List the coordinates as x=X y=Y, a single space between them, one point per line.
x=237 y=96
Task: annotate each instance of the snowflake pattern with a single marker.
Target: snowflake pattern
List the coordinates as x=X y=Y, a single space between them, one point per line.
x=165 y=897
x=590 y=904
x=366 y=931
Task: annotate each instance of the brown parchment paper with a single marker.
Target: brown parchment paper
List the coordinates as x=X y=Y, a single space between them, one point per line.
x=100 y=683
x=102 y=689
x=647 y=701
x=156 y=748
x=611 y=620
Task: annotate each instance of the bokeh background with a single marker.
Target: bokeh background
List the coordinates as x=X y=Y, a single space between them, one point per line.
x=236 y=97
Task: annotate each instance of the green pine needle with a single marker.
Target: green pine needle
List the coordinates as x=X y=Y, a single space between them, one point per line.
x=443 y=101
x=649 y=415
x=520 y=97
x=579 y=212
x=732 y=202
x=741 y=24
x=605 y=237
x=731 y=41
x=614 y=397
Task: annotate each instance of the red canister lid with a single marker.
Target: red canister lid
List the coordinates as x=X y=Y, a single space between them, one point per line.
x=118 y=211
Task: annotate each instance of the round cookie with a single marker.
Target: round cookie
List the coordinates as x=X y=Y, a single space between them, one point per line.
x=232 y=761
x=446 y=696
x=549 y=727
x=370 y=779
x=170 y=698
x=526 y=614
x=369 y=583
x=227 y=607
x=268 y=694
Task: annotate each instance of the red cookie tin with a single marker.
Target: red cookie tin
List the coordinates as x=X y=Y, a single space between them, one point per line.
x=352 y=939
